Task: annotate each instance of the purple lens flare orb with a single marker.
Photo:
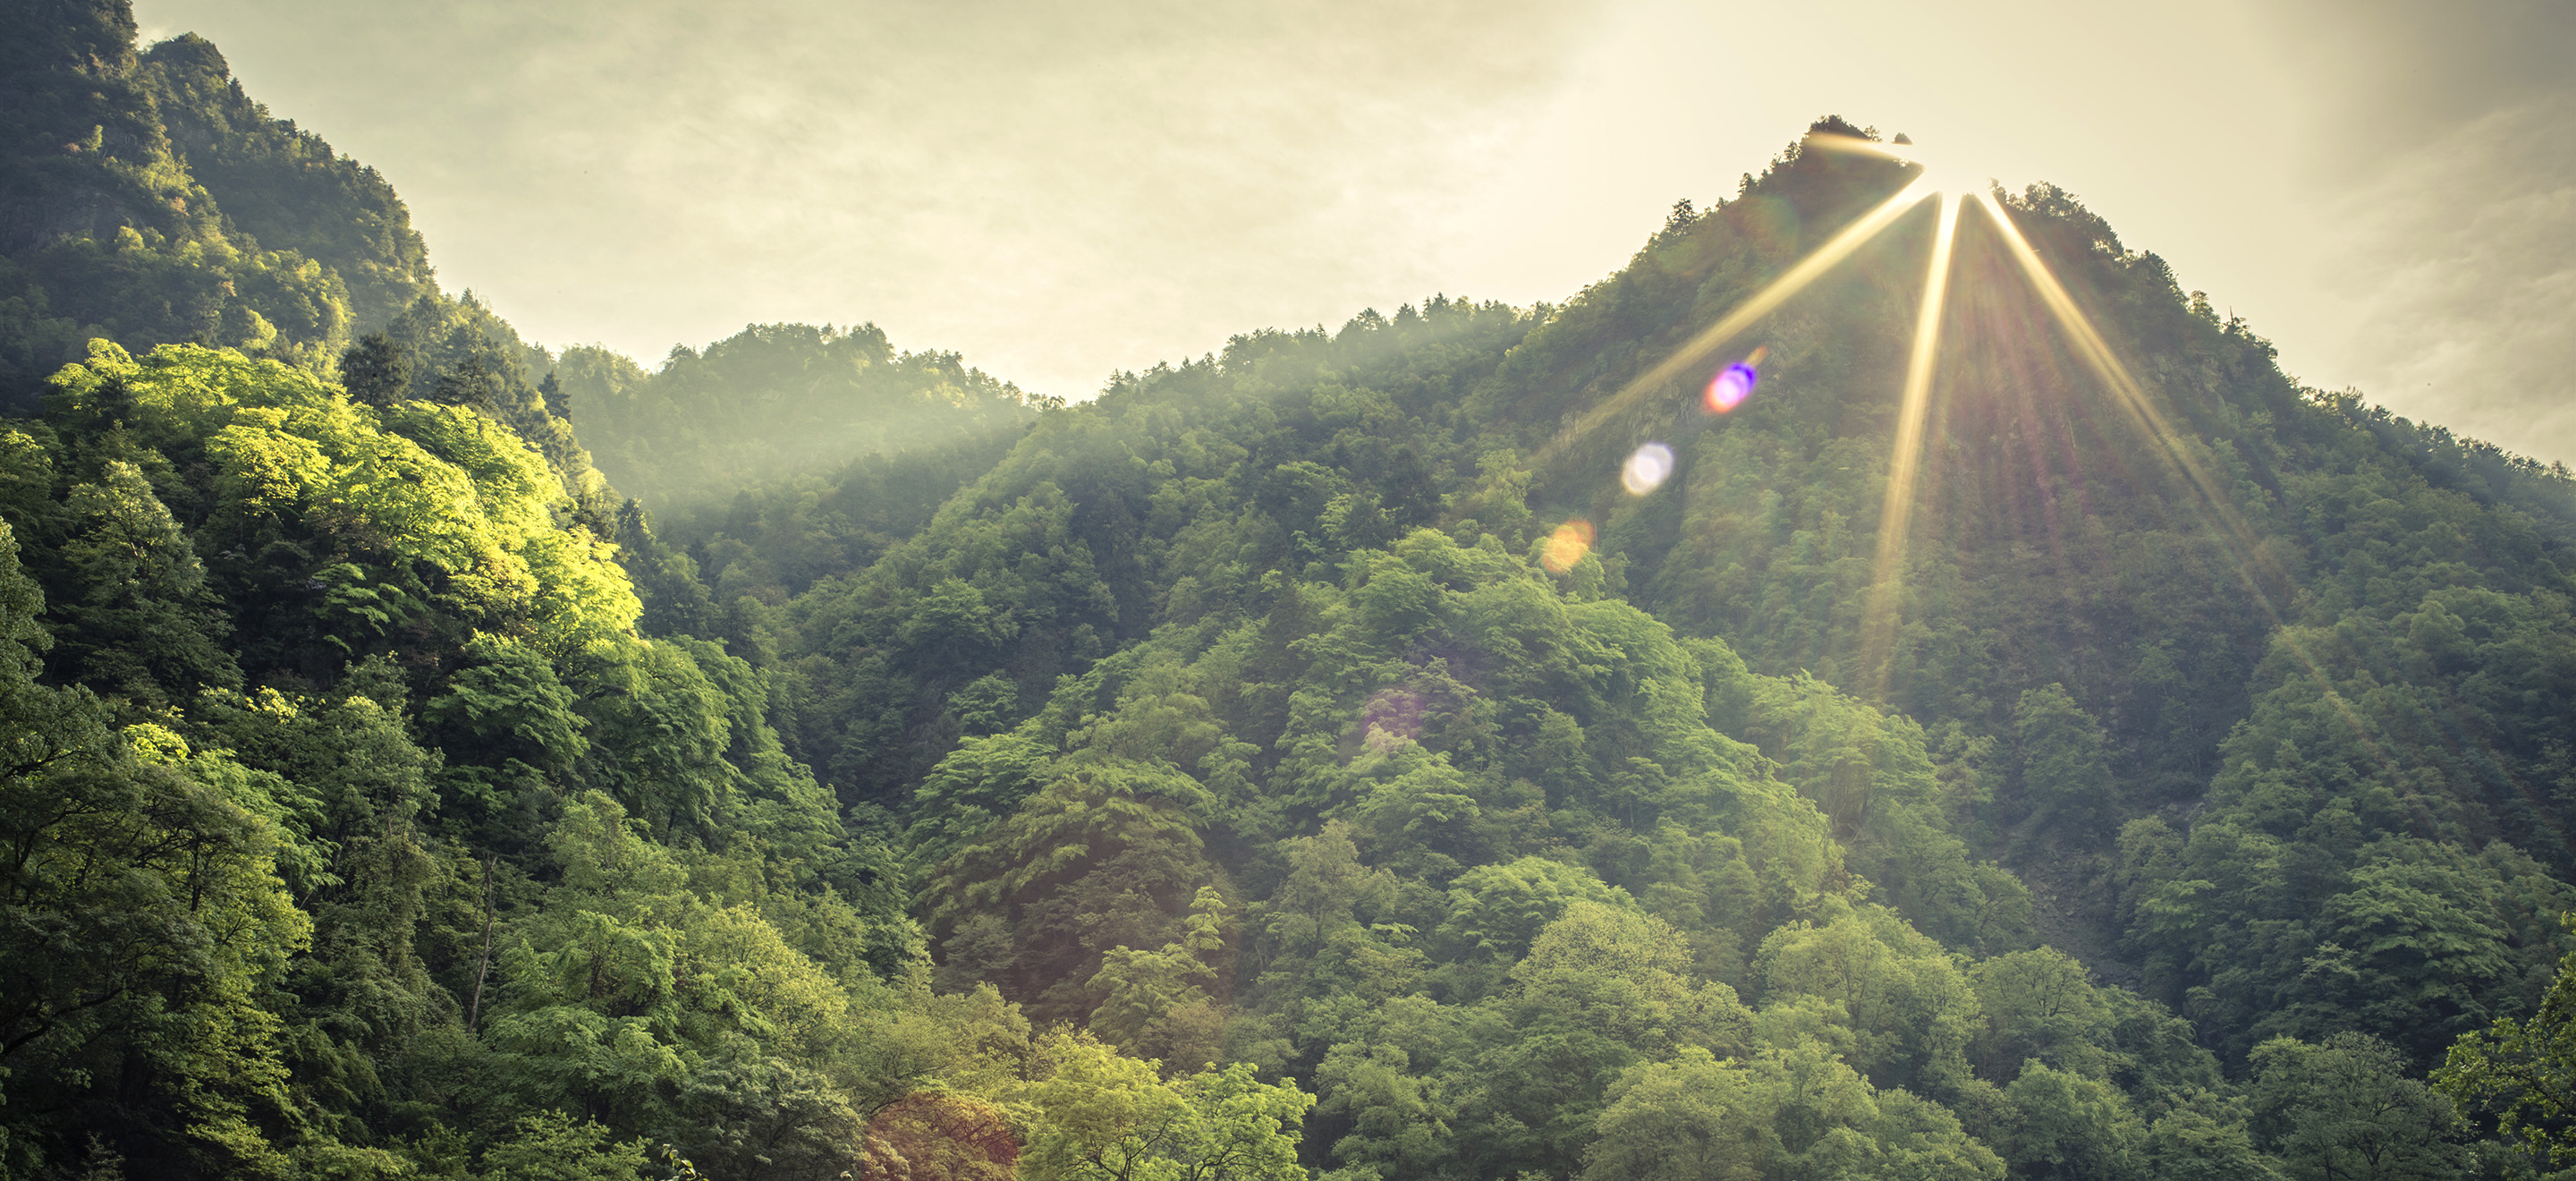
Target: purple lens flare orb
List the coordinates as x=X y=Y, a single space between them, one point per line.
x=1732 y=385
x=1735 y=383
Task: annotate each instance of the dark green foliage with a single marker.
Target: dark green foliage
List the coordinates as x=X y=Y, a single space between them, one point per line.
x=376 y=372
x=2065 y=776
x=283 y=186
x=265 y=930
x=2518 y=1072
x=148 y=200
x=2345 y=1109
x=146 y=625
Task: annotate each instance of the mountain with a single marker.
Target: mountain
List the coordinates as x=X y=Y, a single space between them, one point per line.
x=147 y=199
x=1311 y=759
x=774 y=400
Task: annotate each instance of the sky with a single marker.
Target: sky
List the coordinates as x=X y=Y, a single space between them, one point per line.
x=1061 y=191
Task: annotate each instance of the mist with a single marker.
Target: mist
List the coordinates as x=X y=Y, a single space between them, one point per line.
x=1059 y=193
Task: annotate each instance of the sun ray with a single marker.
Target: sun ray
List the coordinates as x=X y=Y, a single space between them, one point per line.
x=1854 y=145
x=1897 y=513
x=1745 y=315
x=2253 y=560
x=2125 y=391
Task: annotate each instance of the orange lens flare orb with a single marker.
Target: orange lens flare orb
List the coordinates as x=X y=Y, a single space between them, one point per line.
x=1567 y=546
x=1734 y=384
x=1646 y=470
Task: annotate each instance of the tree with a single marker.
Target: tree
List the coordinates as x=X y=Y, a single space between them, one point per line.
x=478 y=379
x=2345 y=1108
x=145 y=623
x=376 y=371
x=142 y=925
x=1496 y=911
x=1106 y=1117
x=2064 y=773
x=2066 y=1127
x=1156 y=1002
x=932 y=1136
x=551 y=1146
x=1793 y=1112
x=2038 y=1004
x=2524 y=1073
x=1104 y=856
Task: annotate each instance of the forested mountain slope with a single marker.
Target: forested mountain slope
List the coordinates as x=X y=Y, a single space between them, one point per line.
x=144 y=198
x=1307 y=759
x=776 y=401
x=2219 y=784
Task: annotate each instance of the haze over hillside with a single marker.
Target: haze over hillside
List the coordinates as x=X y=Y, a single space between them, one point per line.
x=1062 y=193
x=1477 y=741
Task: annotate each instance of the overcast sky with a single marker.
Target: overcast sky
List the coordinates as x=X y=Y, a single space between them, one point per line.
x=1062 y=190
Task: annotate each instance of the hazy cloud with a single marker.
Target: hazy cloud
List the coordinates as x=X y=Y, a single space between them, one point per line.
x=2434 y=146
x=1043 y=186
x=1059 y=190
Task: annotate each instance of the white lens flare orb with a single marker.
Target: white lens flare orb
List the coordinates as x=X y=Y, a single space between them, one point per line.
x=1647 y=470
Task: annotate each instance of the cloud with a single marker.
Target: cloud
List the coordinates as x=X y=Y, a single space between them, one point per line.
x=2468 y=253
x=2430 y=147
x=1051 y=188
x=1058 y=190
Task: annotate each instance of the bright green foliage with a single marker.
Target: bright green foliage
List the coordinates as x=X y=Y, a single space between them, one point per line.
x=1886 y=998
x=1153 y=1002
x=551 y=1147
x=420 y=491
x=2040 y=1005
x=1104 y=1118
x=312 y=939
x=1874 y=779
x=2205 y=1142
x=1626 y=977
x=1496 y=910
x=2064 y=1125
x=1790 y=1113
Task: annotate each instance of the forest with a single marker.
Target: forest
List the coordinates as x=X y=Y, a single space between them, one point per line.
x=427 y=754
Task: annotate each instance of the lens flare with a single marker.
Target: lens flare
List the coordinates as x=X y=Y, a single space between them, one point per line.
x=1730 y=387
x=1845 y=241
x=2179 y=453
x=1567 y=546
x=1646 y=470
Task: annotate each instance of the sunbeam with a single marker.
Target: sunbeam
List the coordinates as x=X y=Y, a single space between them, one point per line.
x=2133 y=400
x=1696 y=351
x=2251 y=558
x=1896 y=513
x=2247 y=554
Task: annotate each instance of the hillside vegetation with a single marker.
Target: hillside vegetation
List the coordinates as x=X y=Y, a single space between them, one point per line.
x=866 y=770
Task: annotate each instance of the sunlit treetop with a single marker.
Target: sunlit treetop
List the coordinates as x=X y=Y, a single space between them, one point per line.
x=409 y=484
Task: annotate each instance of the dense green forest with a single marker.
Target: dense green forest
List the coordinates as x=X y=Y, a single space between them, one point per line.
x=424 y=754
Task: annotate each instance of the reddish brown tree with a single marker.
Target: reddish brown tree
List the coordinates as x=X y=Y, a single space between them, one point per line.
x=933 y=1136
